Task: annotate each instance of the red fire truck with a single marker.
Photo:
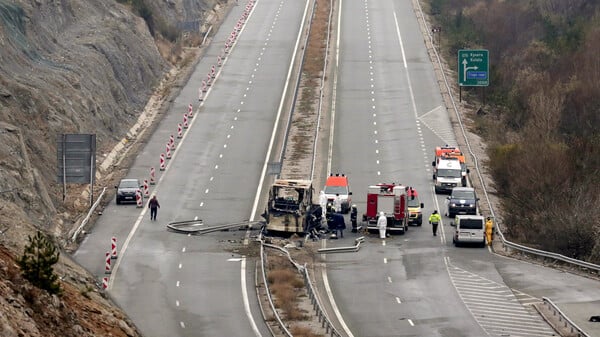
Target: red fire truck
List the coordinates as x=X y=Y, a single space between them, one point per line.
x=390 y=199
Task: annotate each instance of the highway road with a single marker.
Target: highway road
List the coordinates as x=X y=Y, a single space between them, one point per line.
x=389 y=117
x=177 y=285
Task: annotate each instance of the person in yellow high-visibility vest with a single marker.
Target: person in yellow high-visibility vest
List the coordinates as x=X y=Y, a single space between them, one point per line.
x=489 y=229
x=434 y=220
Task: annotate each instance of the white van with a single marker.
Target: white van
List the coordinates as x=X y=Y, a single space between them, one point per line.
x=447 y=174
x=469 y=229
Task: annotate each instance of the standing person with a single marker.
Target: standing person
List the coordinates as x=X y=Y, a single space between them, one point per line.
x=489 y=230
x=434 y=220
x=323 y=204
x=353 y=218
x=154 y=206
x=382 y=225
x=340 y=224
x=337 y=203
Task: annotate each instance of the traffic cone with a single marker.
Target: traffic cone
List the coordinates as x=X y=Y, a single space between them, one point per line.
x=152 y=174
x=162 y=161
x=190 y=111
x=179 y=130
x=146 y=189
x=139 y=199
x=113 y=247
x=168 y=151
x=107 y=264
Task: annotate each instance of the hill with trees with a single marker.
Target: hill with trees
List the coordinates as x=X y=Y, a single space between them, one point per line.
x=541 y=115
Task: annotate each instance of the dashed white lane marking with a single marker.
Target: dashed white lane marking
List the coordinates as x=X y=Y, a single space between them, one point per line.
x=410 y=322
x=182 y=325
x=177 y=284
x=398 y=300
x=180 y=266
x=202 y=204
x=389 y=279
x=183 y=250
x=176 y=303
x=385 y=261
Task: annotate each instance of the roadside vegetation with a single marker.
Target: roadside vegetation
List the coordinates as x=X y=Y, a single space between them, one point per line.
x=541 y=114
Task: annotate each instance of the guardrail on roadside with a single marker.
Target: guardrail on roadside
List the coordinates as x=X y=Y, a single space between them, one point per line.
x=197 y=227
x=574 y=330
x=88 y=216
x=347 y=249
x=323 y=319
x=505 y=242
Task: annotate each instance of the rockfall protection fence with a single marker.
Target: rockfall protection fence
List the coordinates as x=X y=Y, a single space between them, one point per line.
x=506 y=243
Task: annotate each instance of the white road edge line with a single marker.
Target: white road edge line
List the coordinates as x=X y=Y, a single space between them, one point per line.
x=245 y=298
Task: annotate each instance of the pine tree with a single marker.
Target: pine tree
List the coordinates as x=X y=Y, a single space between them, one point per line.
x=37 y=261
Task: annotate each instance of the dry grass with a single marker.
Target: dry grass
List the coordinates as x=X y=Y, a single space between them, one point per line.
x=286 y=285
x=301 y=331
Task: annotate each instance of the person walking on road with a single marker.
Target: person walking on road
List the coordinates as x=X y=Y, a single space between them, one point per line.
x=154 y=206
x=382 y=225
x=434 y=220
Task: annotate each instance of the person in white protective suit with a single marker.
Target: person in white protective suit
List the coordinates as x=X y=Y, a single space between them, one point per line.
x=381 y=225
x=323 y=204
x=337 y=203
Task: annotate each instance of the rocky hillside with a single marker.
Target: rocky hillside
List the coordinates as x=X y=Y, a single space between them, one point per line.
x=71 y=66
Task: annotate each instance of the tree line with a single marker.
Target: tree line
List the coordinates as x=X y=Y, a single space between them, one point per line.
x=542 y=113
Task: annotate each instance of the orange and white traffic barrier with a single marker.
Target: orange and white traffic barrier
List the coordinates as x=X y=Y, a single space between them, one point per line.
x=139 y=200
x=152 y=176
x=104 y=282
x=179 y=131
x=168 y=151
x=113 y=248
x=162 y=161
x=190 y=111
x=146 y=188
x=172 y=142
x=185 y=121
x=107 y=269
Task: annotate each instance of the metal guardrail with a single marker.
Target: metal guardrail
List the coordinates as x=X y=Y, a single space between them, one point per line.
x=88 y=216
x=347 y=249
x=323 y=318
x=574 y=330
x=197 y=227
x=505 y=242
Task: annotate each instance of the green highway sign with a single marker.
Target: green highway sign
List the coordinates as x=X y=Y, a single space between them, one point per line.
x=473 y=68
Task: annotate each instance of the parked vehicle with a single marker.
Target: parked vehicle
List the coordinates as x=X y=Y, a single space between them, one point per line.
x=127 y=189
x=451 y=152
x=290 y=205
x=469 y=229
x=415 y=217
x=462 y=200
x=448 y=174
x=390 y=199
x=338 y=184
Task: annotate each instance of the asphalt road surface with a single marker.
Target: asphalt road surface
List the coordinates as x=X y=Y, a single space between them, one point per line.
x=389 y=117
x=177 y=285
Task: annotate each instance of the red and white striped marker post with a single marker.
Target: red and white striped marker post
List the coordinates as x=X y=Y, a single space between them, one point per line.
x=162 y=161
x=152 y=176
x=146 y=188
x=204 y=87
x=172 y=142
x=113 y=248
x=179 y=131
x=213 y=72
x=185 y=121
x=139 y=200
x=208 y=79
x=104 y=283
x=200 y=95
x=219 y=61
x=168 y=151
x=107 y=264
x=190 y=111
